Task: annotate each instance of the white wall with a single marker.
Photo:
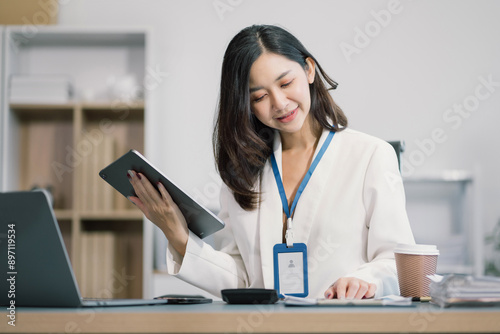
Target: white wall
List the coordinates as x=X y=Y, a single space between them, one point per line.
x=424 y=59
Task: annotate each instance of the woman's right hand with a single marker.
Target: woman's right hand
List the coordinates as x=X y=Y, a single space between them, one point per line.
x=160 y=209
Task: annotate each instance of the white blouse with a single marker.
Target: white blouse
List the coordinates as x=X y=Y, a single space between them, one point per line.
x=351 y=215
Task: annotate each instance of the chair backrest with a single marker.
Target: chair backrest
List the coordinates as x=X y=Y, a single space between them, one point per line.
x=399 y=147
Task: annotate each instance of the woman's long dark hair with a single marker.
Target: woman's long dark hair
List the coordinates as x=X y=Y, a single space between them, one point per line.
x=242 y=144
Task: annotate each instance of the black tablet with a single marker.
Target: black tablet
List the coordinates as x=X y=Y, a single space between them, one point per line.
x=201 y=221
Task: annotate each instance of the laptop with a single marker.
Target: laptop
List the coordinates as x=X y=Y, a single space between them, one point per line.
x=35 y=260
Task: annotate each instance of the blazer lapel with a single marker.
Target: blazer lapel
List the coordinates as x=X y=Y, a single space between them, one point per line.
x=308 y=205
x=270 y=216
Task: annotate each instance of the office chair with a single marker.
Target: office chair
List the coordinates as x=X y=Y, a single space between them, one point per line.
x=399 y=147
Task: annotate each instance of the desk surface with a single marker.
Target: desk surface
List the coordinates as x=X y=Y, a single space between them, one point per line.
x=222 y=318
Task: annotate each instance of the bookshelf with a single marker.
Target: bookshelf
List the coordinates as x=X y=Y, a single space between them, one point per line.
x=443 y=210
x=62 y=146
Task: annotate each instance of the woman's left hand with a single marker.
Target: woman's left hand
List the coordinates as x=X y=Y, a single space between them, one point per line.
x=350 y=288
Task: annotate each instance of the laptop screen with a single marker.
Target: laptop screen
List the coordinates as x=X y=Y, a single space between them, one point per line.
x=39 y=271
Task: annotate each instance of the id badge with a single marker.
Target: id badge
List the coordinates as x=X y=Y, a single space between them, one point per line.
x=290 y=270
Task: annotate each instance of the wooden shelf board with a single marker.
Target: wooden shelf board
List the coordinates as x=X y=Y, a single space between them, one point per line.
x=112 y=215
x=63 y=214
x=110 y=105
x=42 y=106
x=43 y=111
x=118 y=112
x=70 y=105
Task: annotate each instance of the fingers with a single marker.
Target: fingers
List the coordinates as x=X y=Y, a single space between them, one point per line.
x=371 y=291
x=357 y=290
x=330 y=293
x=351 y=288
x=163 y=191
x=135 y=200
x=156 y=206
x=143 y=188
x=160 y=209
x=140 y=191
x=340 y=288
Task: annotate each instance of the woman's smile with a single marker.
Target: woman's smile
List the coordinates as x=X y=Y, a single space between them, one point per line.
x=288 y=117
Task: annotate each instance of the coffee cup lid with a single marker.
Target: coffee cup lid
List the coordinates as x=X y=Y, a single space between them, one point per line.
x=416 y=249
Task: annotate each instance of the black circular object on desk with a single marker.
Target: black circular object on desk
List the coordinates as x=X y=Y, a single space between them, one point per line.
x=249 y=296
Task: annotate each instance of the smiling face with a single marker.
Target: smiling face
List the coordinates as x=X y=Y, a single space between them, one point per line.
x=279 y=91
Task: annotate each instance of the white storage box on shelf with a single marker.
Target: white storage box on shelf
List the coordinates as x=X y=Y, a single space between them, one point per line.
x=40 y=89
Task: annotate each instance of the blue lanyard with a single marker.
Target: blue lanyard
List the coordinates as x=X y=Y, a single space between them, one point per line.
x=304 y=182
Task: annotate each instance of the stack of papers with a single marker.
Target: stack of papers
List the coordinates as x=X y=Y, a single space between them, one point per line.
x=463 y=290
x=40 y=89
x=391 y=300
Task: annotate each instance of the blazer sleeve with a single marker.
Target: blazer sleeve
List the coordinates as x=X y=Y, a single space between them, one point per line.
x=211 y=268
x=386 y=220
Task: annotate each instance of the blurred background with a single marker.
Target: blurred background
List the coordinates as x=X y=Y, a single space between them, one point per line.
x=422 y=72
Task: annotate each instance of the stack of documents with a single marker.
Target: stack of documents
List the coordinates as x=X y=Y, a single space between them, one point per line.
x=391 y=300
x=462 y=290
x=40 y=89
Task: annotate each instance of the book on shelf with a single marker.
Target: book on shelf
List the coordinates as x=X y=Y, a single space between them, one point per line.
x=102 y=259
x=96 y=195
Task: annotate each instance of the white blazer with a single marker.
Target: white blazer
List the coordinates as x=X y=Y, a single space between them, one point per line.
x=351 y=215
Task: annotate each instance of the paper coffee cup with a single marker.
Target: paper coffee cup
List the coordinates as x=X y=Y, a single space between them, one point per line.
x=414 y=263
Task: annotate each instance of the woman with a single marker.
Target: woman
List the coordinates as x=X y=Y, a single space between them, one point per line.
x=276 y=116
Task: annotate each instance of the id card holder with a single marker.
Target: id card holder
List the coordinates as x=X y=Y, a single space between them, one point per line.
x=290 y=270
